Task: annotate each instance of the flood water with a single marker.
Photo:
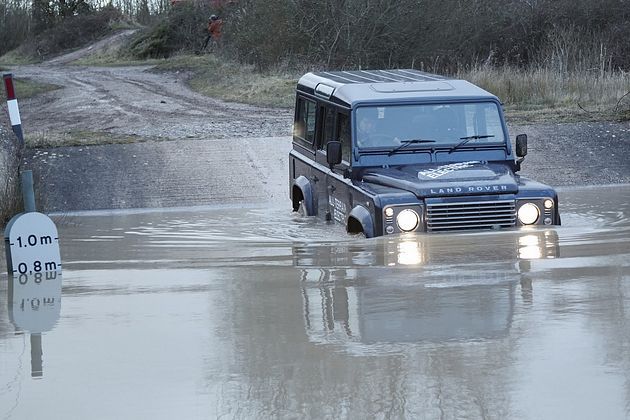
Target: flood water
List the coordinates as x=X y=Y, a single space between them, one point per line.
x=258 y=313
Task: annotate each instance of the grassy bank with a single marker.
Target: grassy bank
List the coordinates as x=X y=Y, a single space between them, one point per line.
x=17 y=58
x=537 y=95
x=235 y=82
x=548 y=95
x=80 y=138
x=25 y=88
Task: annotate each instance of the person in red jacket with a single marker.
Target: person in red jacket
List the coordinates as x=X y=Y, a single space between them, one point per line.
x=214 y=32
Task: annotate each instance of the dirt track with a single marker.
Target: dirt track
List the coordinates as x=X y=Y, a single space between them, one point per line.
x=222 y=152
x=134 y=101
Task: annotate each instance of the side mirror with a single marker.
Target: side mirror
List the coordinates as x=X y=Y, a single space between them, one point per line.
x=333 y=153
x=521 y=145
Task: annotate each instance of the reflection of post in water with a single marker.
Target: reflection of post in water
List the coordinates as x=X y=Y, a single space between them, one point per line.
x=37 y=366
x=35 y=306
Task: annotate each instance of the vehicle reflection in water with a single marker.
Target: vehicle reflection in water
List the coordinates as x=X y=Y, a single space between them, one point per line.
x=34 y=307
x=436 y=302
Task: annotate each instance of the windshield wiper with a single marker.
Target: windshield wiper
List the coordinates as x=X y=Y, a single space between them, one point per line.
x=465 y=140
x=406 y=143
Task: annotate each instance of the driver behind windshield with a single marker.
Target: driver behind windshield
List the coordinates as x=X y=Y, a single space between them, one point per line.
x=366 y=129
x=373 y=128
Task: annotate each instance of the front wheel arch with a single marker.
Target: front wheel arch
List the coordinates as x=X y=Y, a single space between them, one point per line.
x=360 y=221
x=297 y=197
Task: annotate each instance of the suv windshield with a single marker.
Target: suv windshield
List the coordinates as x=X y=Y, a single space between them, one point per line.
x=436 y=124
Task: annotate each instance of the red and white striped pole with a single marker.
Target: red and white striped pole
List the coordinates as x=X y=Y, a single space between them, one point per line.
x=14 y=110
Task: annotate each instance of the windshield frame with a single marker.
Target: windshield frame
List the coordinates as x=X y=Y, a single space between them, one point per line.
x=493 y=142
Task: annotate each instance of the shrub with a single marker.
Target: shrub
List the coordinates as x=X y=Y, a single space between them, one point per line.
x=183 y=29
x=72 y=32
x=14 y=25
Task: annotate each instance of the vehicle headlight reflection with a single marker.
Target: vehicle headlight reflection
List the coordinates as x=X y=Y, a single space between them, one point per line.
x=529 y=248
x=407 y=220
x=410 y=253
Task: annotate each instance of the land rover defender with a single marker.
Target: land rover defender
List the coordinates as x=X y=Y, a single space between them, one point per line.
x=392 y=151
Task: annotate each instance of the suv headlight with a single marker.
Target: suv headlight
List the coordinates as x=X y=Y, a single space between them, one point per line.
x=528 y=213
x=407 y=220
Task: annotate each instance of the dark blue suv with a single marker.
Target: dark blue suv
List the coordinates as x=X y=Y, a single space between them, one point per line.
x=390 y=151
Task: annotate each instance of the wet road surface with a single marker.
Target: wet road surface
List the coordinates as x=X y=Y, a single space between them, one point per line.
x=162 y=174
x=252 y=169
x=255 y=312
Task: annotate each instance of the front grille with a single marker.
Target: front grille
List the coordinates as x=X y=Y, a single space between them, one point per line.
x=471 y=215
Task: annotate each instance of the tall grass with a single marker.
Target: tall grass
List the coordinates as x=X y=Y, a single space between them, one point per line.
x=232 y=81
x=535 y=94
x=591 y=95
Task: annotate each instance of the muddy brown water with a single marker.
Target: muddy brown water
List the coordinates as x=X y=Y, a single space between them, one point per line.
x=255 y=312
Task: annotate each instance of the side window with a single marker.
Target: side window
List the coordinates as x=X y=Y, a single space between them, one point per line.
x=343 y=133
x=328 y=127
x=311 y=112
x=299 y=125
x=304 y=125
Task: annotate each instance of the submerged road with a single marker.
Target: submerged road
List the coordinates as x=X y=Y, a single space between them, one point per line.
x=208 y=172
x=247 y=170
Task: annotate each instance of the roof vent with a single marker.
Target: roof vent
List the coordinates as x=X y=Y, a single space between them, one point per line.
x=324 y=91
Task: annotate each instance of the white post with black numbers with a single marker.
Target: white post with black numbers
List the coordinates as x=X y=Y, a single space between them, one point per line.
x=32 y=244
x=31 y=238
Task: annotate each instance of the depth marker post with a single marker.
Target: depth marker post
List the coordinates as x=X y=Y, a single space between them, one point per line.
x=33 y=257
x=14 y=109
x=31 y=239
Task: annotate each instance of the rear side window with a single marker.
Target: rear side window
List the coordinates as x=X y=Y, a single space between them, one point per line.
x=311 y=112
x=343 y=132
x=304 y=125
